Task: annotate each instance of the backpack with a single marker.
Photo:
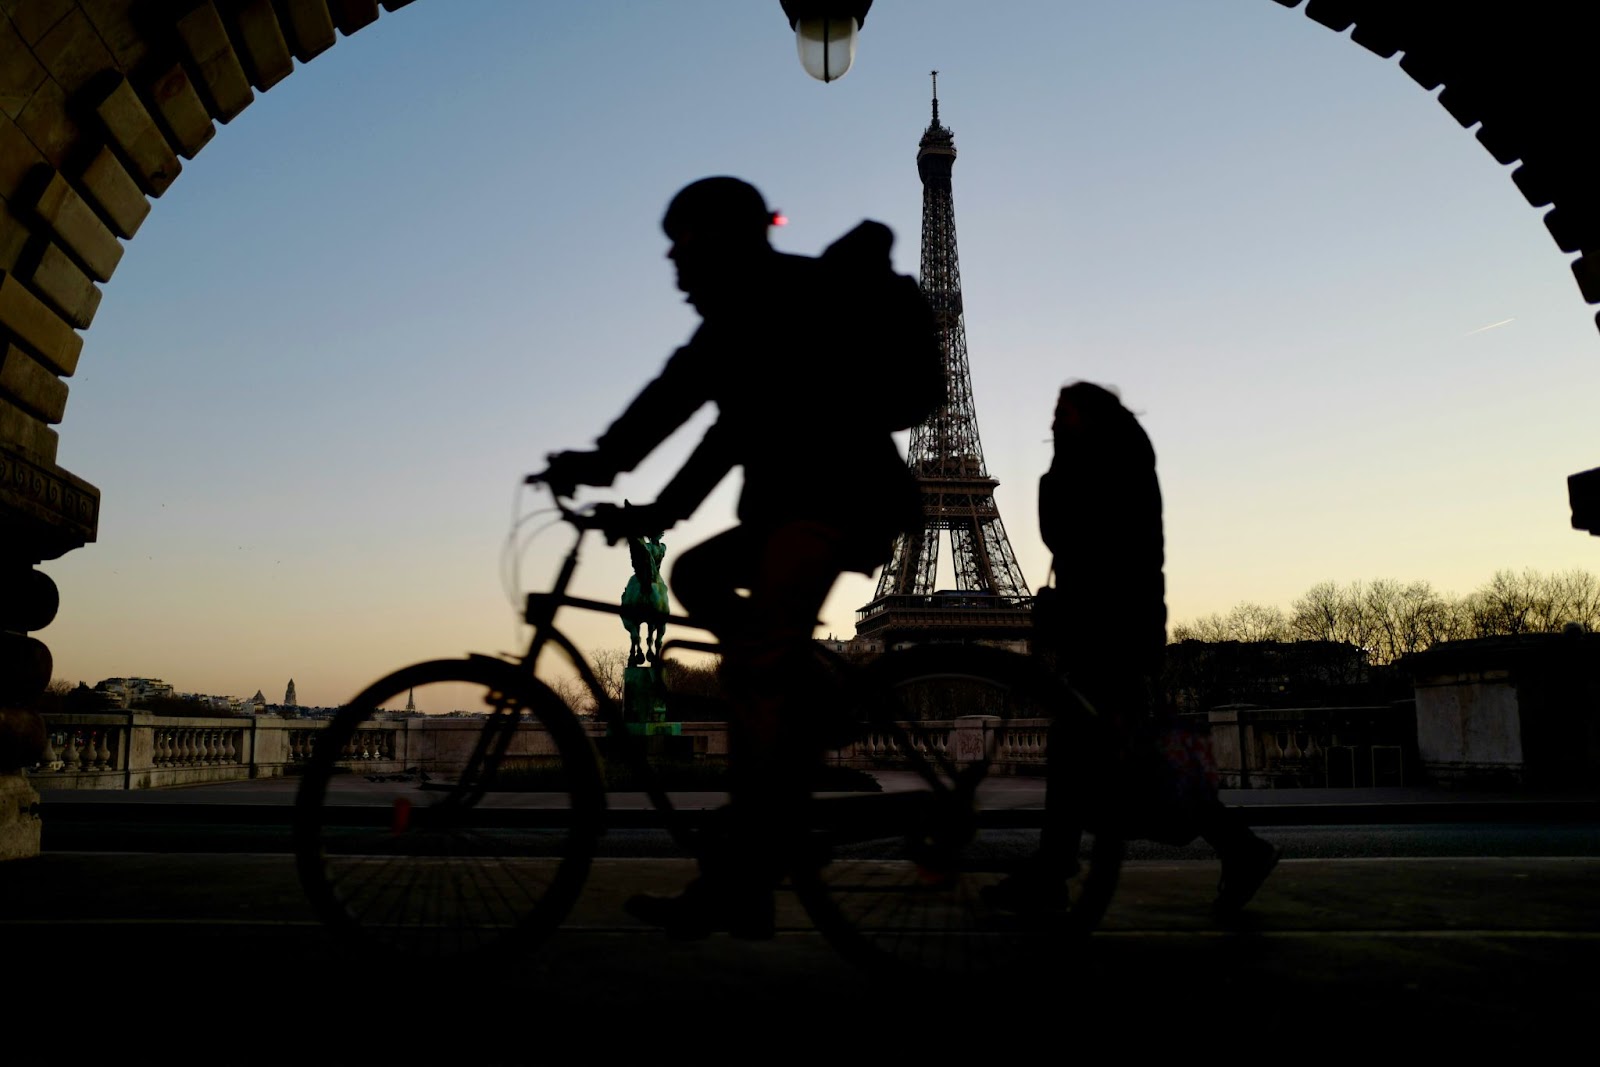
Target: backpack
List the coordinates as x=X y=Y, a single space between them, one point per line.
x=894 y=353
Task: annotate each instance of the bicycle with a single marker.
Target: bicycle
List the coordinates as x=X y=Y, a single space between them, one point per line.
x=892 y=880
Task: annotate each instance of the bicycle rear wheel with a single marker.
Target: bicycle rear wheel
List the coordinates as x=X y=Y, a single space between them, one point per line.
x=406 y=850
x=909 y=885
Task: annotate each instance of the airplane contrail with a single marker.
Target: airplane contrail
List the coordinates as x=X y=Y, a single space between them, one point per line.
x=1491 y=326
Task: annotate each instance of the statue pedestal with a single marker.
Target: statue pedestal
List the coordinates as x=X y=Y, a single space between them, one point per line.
x=644 y=700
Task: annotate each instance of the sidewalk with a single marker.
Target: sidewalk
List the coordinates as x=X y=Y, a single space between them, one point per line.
x=219 y=959
x=224 y=950
x=1010 y=799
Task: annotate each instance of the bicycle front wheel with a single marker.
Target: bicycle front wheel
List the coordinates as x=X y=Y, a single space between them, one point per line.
x=464 y=832
x=924 y=881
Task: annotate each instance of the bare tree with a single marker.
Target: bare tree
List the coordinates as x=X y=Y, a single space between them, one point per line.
x=1257 y=622
x=1390 y=619
x=1212 y=628
x=573 y=693
x=1244 y=622
x=1568 y=597
x=1318 y=615
x=609 y=664
x=1507 y=604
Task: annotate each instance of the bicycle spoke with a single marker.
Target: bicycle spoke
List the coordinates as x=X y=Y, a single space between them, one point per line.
x=442 y=880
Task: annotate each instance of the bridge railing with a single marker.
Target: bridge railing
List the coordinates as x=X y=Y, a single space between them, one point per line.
x=141 y=750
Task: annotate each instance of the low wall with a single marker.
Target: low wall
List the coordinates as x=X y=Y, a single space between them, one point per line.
x=139 y=750
x=1276 y=748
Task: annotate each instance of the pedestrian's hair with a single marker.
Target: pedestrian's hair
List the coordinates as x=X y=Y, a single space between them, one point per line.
x=1102 y=415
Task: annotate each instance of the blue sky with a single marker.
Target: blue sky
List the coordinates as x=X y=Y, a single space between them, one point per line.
x=431 y=256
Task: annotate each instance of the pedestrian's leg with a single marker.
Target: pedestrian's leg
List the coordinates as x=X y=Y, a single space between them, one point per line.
x=1246 y=858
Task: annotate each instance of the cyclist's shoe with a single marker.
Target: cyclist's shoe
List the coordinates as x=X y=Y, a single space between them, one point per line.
x=706 y=907
x=1242 y=874
x=1031 y=891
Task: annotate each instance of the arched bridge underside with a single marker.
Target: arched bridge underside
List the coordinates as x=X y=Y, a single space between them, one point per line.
x=102 y=100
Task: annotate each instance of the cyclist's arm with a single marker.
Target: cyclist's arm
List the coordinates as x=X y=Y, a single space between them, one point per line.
x=710 y=462
x=659 y=409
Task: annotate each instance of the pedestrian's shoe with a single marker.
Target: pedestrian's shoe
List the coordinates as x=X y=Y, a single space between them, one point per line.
x=707 y=906
x=1242 y=875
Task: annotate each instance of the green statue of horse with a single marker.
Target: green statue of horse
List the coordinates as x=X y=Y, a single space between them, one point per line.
x=644 y=601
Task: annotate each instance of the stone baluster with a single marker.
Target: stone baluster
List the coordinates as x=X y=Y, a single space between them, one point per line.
x=1269 y=743
x=230 y=746
x=49 y=759
x=102 y=752
x=69 y=753
x=1292 y=751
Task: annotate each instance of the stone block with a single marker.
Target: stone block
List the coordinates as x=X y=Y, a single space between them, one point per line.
x=19 y=818
x=21 y=73
x=352 y=15
x=309 y=27
x=22 y=739
x=41 y=330
x=26 y=434
x=188 y=123
x=54 y=510
x=150 y=159
x=1586 y=269
x=78 y=228
x=18 y=158
x=49 y=125
x=221 y=74
x=67 y=289
x=34 y=18
x=73 y=53
x=113 y=20
x=31 y=386
x=266 y=53
x=14 y=240
x=112 y=189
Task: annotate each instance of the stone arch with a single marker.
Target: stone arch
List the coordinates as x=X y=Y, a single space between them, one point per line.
x=101 y=100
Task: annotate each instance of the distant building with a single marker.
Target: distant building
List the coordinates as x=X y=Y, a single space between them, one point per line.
x=128 y=692
x=289 y=698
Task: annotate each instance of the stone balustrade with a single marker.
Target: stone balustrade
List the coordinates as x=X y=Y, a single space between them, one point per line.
x=140 y=750
x=1016 y=747
x=1275 y=748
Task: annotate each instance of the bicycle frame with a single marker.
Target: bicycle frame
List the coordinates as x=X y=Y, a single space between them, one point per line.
x=540 y=612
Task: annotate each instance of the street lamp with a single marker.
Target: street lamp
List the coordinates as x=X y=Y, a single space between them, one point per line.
x=825 y=34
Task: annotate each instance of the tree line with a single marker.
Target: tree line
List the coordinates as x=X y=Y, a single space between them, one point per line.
x=1390 y=618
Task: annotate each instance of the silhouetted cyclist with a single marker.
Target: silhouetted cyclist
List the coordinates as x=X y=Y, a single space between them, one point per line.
x=811 y=362
x=1104 y=626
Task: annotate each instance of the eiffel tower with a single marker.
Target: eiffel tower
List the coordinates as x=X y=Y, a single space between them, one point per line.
x=991 y=599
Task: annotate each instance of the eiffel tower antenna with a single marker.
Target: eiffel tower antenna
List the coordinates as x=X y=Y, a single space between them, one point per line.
x=991 y=597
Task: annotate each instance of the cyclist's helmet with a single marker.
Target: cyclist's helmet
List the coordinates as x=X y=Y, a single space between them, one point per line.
x=721 y=207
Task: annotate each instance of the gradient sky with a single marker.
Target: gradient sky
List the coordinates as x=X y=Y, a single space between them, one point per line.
x=402 y=276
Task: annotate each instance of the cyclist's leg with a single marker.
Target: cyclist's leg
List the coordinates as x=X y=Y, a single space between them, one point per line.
x=770 y=671
x=765 y=635
x=707 y=578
